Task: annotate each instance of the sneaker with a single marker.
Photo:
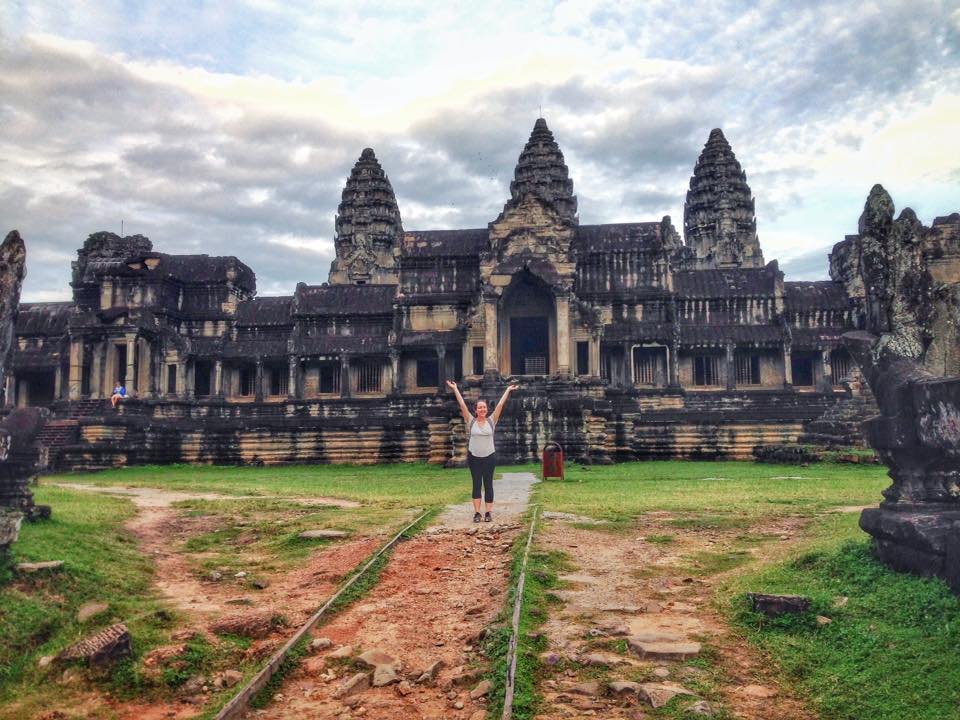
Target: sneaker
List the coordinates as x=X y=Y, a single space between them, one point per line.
x=488 y=517
x=477 y=518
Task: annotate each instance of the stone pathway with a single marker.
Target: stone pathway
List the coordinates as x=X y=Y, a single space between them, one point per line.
x=511 y=495
x=423 y=622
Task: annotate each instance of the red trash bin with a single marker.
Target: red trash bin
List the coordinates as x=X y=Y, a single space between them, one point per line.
x=552 y=461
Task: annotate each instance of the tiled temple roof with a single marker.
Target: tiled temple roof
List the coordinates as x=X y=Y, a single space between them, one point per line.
x=265 y=311
x=741 y=282
x=815 y=295
x=344 y=299
x=335 y=344
x=618 y=236
x=43 y=318
x=444 y=243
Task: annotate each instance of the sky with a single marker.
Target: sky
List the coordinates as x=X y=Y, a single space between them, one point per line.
x=230 y=128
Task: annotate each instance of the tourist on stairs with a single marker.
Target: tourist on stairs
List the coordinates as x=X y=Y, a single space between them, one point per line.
x=481 y=453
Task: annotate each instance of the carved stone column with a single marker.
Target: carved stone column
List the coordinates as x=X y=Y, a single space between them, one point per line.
x=787 y=366
x=491 y=360
x=76 y=369
x=182 y=378
x=441 y=368
x=218 y=378
x=131 y=379
x=9 y=390
x=397 y=385
x=96 y=370
x=595 y=356
x=731 y=369
x=826 y=376
x=627 y=376
x=563 y=336
x=258 y=381
x=293 y=377
x=345 y=375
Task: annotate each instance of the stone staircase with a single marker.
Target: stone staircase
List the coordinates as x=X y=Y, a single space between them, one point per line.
x=54 y=435
x=840 y=425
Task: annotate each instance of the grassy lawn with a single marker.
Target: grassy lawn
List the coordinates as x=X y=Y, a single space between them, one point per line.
x=38 y=616
x=719 y=494
x=400 y=485
x=891 y=650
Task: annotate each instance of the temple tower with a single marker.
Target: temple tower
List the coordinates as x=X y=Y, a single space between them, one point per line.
x=718 y=217
x=368 y=227
x=542 y=172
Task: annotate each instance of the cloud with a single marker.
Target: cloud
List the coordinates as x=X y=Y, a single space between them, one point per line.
x=234 y=132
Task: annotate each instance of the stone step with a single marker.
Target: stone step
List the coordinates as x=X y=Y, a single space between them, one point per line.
x=674 y=649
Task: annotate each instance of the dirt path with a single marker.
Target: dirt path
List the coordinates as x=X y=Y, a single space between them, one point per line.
x=639 y=610
x=436 y=596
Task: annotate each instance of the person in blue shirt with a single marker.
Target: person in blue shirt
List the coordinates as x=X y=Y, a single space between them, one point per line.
x=119 y=393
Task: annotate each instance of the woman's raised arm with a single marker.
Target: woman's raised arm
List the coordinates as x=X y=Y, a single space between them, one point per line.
x=503 y=401
x=467 y=417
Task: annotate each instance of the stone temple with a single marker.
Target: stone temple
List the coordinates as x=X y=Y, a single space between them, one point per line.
x=628 y=340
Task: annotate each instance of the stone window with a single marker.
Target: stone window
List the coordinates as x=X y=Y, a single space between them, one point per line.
x=706 y=370
x=428 y=372
x=171 y=379
x=803 y=370
x=329 y=377
x=748 y=369
x=841 y=366
x=583 y=358
x=368 y=376
x=248 y=379
x=478 y=360
x=279 y=379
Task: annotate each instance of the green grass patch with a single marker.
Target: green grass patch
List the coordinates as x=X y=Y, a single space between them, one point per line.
x=401 y=485
x=891 y=650
x=101 y=563
x=742 y=490
x=656 y=539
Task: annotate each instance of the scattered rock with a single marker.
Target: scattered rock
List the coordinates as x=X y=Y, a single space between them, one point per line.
x=90 y=609
x=590 y=688
x=109 y=645
x=823 y=621
x=659 y=694
x=227 y=679
x=239 y=601
x=661 y=672
x=480 y=690
x=777 y=605
x=663 y=648
x=356 y=683
x=376 y=657
x=702 y=708
x=430 y=674
x=318 y=644
x=598 y=659
x=259 y=583
x=242 y=574
x=840 y=601
x=458 y=705
x=215 y=576
x=624 y=687
x=550 y=658
x=30 y=568
x=249 y=625
x=342 y=653
x=323 y=534
x=45 y=661
x=384 y=675
x=404 y=688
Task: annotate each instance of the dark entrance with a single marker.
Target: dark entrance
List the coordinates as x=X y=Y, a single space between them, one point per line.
x=529 y=345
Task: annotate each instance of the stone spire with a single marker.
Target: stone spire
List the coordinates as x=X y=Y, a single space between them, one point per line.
x=367 y=225
x=542 y=172
x=718 y=218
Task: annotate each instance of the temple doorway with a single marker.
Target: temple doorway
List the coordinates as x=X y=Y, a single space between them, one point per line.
x=528 y=327
x=530 y=346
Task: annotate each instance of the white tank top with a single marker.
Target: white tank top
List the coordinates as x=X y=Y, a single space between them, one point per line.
x=481 y=438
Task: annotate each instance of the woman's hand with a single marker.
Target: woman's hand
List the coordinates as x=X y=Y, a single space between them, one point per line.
x=452 y=385
x=512 y=387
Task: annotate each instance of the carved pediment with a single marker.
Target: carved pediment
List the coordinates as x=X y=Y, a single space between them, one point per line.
x=534 y=228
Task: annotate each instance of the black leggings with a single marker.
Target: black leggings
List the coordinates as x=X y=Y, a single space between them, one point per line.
x=481 y=468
